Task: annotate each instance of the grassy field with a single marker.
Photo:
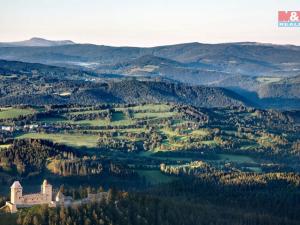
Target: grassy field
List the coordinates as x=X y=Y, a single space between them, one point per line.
x=100 y=122
x=118 y=119
x=268 y=79
x=175 y=140
x=169 y=132
x=9 y=113
x=155 y=176
x=4 y=146
x=52 y=119
x=174 y=135
x=236 y=158
x=152 y=154
x=75 y=140
x=96 y=122
x=200 y=132
x=150 y=108
x=210 y=143
x=86 y=112
x=154 y=115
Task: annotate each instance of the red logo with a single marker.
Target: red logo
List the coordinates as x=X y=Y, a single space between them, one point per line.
x=288 y=16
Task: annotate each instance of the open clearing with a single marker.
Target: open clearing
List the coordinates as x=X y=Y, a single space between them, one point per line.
x=10 y=113
x=155 y=176
x=268 y=79
x=75 y=140
x=236 y=158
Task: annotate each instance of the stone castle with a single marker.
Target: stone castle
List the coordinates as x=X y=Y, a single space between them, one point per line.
x=18 y=200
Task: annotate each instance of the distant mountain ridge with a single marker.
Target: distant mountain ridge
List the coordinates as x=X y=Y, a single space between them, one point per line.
x=235 y=58
x=36 y=42
x=243 y=66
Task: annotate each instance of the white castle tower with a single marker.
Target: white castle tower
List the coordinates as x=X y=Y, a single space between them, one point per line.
x=46 y=191
x=16 y=193
x=18 y=200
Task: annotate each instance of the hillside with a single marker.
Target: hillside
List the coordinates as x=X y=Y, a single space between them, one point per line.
x=245 y=66
x=150 y=65
x=9 y=68
x=251 y=69
x=45 y=89
x=288 y=88
x=33 y=83
x=138 y=91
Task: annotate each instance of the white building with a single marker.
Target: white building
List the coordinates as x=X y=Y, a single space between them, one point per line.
x=18 y=200
x=7 y=128
x=31 y=126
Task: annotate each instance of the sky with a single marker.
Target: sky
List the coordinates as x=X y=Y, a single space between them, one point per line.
x=147 y=22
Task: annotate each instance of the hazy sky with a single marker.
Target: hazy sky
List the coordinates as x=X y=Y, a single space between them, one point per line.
x=147 y=22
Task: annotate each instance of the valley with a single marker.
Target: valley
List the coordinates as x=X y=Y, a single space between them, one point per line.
x=140 y=112
x=154 y=149
x=145 y=136
x=174 y=127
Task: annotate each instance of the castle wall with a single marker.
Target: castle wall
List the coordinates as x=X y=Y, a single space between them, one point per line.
x=43 y=197
x=18 y=200
x=34 y=199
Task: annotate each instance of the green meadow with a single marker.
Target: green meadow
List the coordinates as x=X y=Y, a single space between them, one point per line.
x=10 y=113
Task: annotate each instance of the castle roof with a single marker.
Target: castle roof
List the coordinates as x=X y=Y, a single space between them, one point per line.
x=16 y=184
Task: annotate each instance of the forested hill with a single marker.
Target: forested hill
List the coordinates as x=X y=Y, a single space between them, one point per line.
x=16 y=68
x=133 y=91
x=44 y=90
x=246 y=67
x=288 y=88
